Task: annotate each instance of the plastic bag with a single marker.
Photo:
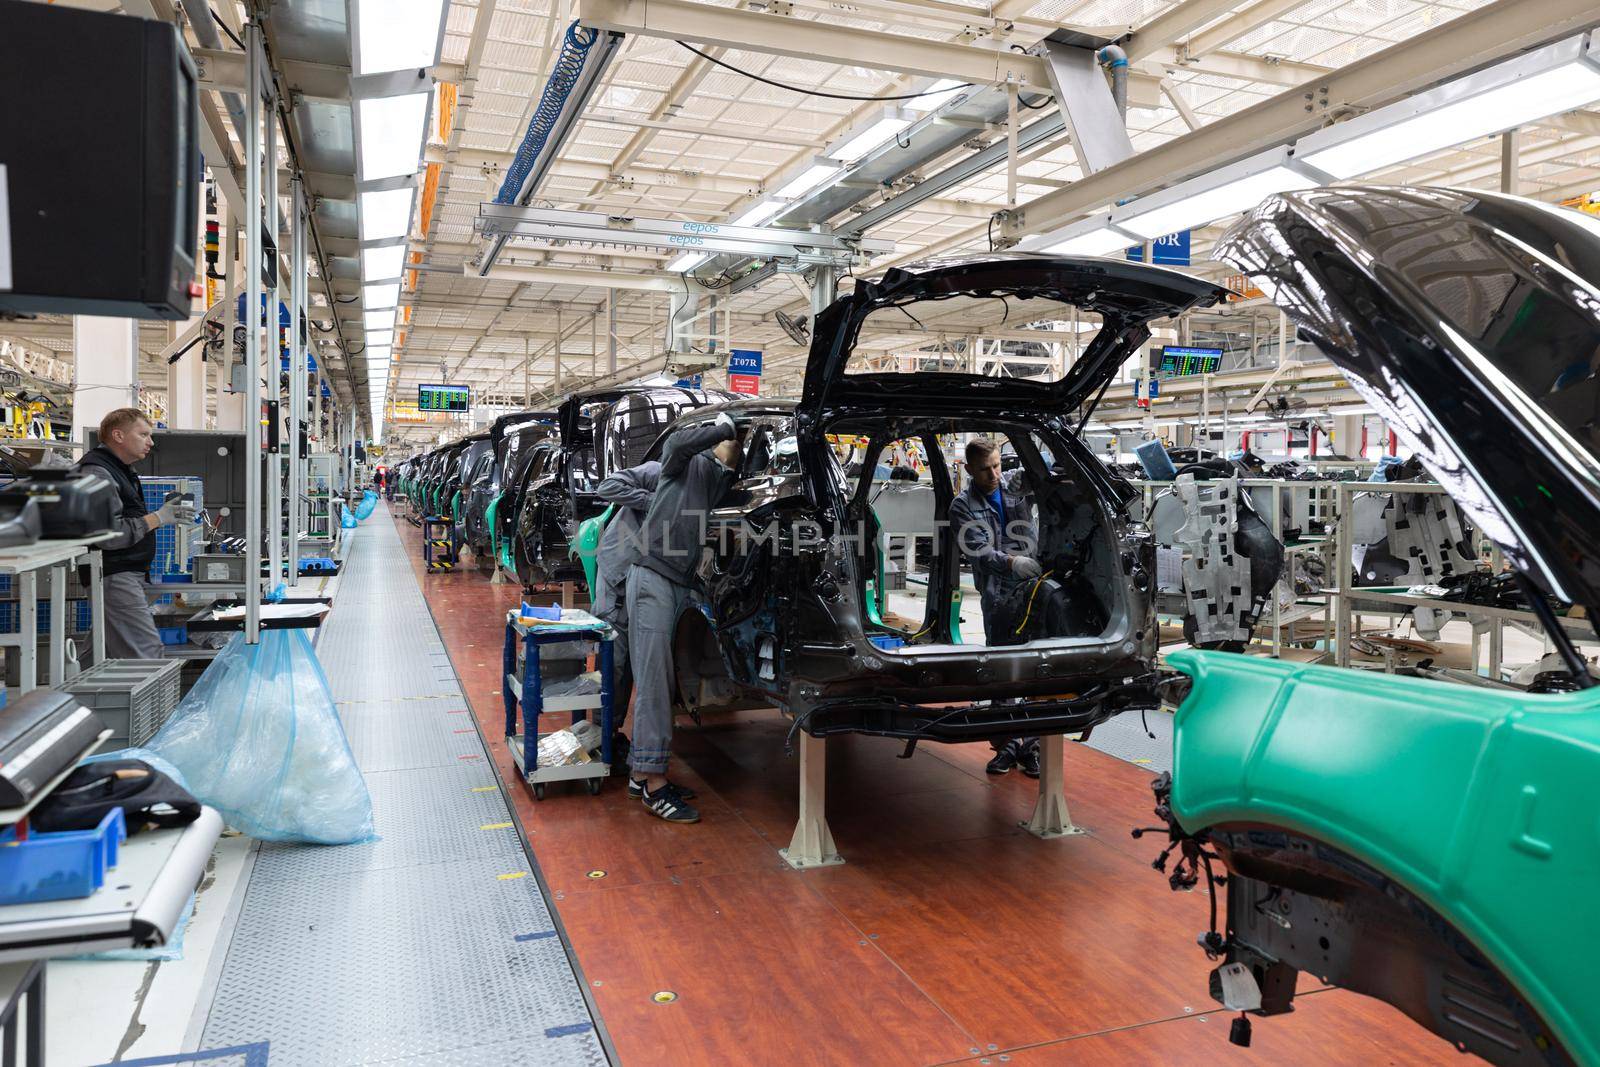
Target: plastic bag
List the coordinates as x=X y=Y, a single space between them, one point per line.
x=258 y=738
x=347 y=521
x=369 y=504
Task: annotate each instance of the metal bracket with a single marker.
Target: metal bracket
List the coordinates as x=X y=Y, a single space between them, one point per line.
x=1050 y=816
x=1099 y=135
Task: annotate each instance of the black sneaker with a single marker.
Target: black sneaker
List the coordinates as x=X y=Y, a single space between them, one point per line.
x=669 y=804
x=636 y=789
x=1028 y=757
x=1005 y=759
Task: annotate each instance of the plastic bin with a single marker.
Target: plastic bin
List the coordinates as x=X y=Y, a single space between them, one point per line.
x=134 y=697
x=173 y=635
x=886 y=642
x=59 y=866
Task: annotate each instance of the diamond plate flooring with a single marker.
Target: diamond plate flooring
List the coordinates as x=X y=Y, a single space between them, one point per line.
x=433 y=944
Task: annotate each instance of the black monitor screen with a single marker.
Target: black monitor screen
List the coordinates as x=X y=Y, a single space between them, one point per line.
x=444 y=397
x=1178 y=360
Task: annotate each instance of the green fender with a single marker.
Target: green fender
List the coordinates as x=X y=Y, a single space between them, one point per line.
x=586 y=545
x=1479 y=801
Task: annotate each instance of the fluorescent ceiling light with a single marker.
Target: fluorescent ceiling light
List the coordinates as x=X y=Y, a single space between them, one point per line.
x=378 y=319
x=382 y=295
x=391 y=134
x=1208 y=198
x=397 y=34
x=935 y=95
x=757 y=214
x=1505 y=96
x=380 y=263
x=687 y=261
x=1100 y=241
x=380 y=337
x=385 y=214
x=856 y=145
x=807 y=180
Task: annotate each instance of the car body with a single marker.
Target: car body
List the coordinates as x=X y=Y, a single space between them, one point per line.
x=494 y=494
x=793 y=612
x=599 y=431
x=1427 y=843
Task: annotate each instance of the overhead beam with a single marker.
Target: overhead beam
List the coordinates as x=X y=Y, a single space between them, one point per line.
x=814 y=40
x=659 y=281
x=1245 y=22
x=1473 y=40
x=1173 y=25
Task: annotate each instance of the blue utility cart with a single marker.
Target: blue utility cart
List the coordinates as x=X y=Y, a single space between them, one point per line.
x=528 y=692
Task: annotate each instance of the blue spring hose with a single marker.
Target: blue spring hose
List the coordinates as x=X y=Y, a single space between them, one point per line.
x=575 y=45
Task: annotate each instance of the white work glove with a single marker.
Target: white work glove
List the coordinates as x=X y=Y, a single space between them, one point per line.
x=1025 y=567
x=726 y=422
x=174 y=509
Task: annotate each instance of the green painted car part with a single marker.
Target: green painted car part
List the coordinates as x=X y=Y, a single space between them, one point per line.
x=490 y=513
x=1480 y=802
x=586 y=545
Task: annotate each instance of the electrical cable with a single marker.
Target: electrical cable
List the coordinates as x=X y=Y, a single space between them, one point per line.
x=818 y=92
x=223 y=26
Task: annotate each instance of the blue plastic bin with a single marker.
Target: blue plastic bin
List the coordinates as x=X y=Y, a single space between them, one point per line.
x=886 y=642
x=59 y=866
x=173 y=635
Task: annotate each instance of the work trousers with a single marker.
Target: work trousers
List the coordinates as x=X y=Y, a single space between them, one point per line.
x=621 y=665
x=654 y=603
x=130 y=628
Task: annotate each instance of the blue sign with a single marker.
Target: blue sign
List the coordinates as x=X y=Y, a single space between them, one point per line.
x=694 y=381
x=744 y=361
x=1171 y=250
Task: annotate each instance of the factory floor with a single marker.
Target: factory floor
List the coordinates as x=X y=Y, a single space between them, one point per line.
x=948 y=935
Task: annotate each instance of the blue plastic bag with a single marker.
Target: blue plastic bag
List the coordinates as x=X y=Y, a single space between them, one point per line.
x=258 y=738
x=347 y=521
x=369 y=504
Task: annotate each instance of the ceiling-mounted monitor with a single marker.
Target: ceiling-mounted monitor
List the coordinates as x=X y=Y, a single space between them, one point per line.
x=444 y=397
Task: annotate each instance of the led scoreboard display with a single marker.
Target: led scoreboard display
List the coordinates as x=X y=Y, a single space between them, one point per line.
x=444 y=397
x=1178 y=360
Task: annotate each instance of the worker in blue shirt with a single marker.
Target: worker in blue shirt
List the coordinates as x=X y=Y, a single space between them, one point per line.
x=994 y=525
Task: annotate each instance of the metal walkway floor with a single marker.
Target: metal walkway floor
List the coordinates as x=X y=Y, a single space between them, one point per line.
x=434 y=944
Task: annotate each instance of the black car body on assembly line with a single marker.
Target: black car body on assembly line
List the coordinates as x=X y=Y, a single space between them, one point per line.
x=600 y=432
x=793 y=610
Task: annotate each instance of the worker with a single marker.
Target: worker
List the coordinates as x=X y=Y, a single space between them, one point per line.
x=629 y=492
x=697 y=469
x=125 y=439
x=993 y=522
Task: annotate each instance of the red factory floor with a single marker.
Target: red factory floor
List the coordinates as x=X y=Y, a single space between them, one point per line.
x=948 y=935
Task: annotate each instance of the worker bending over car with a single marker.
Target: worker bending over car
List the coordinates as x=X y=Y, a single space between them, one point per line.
x=126 y=437
x=994 y=525
x=630 y=493
x=697 y=470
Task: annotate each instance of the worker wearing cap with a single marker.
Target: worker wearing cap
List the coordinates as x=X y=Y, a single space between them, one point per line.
x=697 y=469
x=125 y=439
x=630 y=493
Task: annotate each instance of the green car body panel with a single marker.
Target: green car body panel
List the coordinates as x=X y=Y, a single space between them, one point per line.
x=1480 y=802
x=586 y=544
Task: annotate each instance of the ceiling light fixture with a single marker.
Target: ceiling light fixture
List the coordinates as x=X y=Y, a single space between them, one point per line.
x=382 y=295
x=808 y=180
x=758 y=214
x=935 y=96
x=396 y=34
x=383 y=262
x=378 y=320
x=385 y=214
x=1101 y=240
x=687 y=261
x=1225 y=191
x=390 y=137
x=876 y=133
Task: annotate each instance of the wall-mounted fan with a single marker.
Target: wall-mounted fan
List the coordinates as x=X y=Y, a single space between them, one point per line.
x=798 y=327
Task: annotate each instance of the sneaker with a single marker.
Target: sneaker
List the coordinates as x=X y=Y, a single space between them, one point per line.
x=1005 y=759
x=636 y=789
x=1028 y=757
x=669 y=804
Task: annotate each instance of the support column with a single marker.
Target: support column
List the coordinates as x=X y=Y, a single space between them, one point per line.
x=252 y=334
x=1050 y=816
x=297 y=369
x=812 y=844
x=1510 y=151
x=107 y=377
x=230 y=405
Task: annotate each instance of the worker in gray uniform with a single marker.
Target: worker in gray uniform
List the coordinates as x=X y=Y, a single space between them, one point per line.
x=629 y=492
x=993 y=523
x=126 y=437
x=697 y=469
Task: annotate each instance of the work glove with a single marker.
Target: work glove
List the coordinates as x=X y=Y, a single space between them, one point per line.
x=175 y=509
x=726 y=423
x=1025 y=567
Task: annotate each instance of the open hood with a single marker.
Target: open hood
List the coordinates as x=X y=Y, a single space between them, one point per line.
x=1471 y=322
x=507 y=423
x=1100 y=308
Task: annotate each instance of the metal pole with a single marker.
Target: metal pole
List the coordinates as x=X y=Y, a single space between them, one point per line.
x=611 y=331
x=270 y=368
x=252 y=336
x=297 y=368
x=1510 y=150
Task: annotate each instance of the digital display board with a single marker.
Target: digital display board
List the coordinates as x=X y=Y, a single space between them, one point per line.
x=444 y=397
x=1178 y=360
